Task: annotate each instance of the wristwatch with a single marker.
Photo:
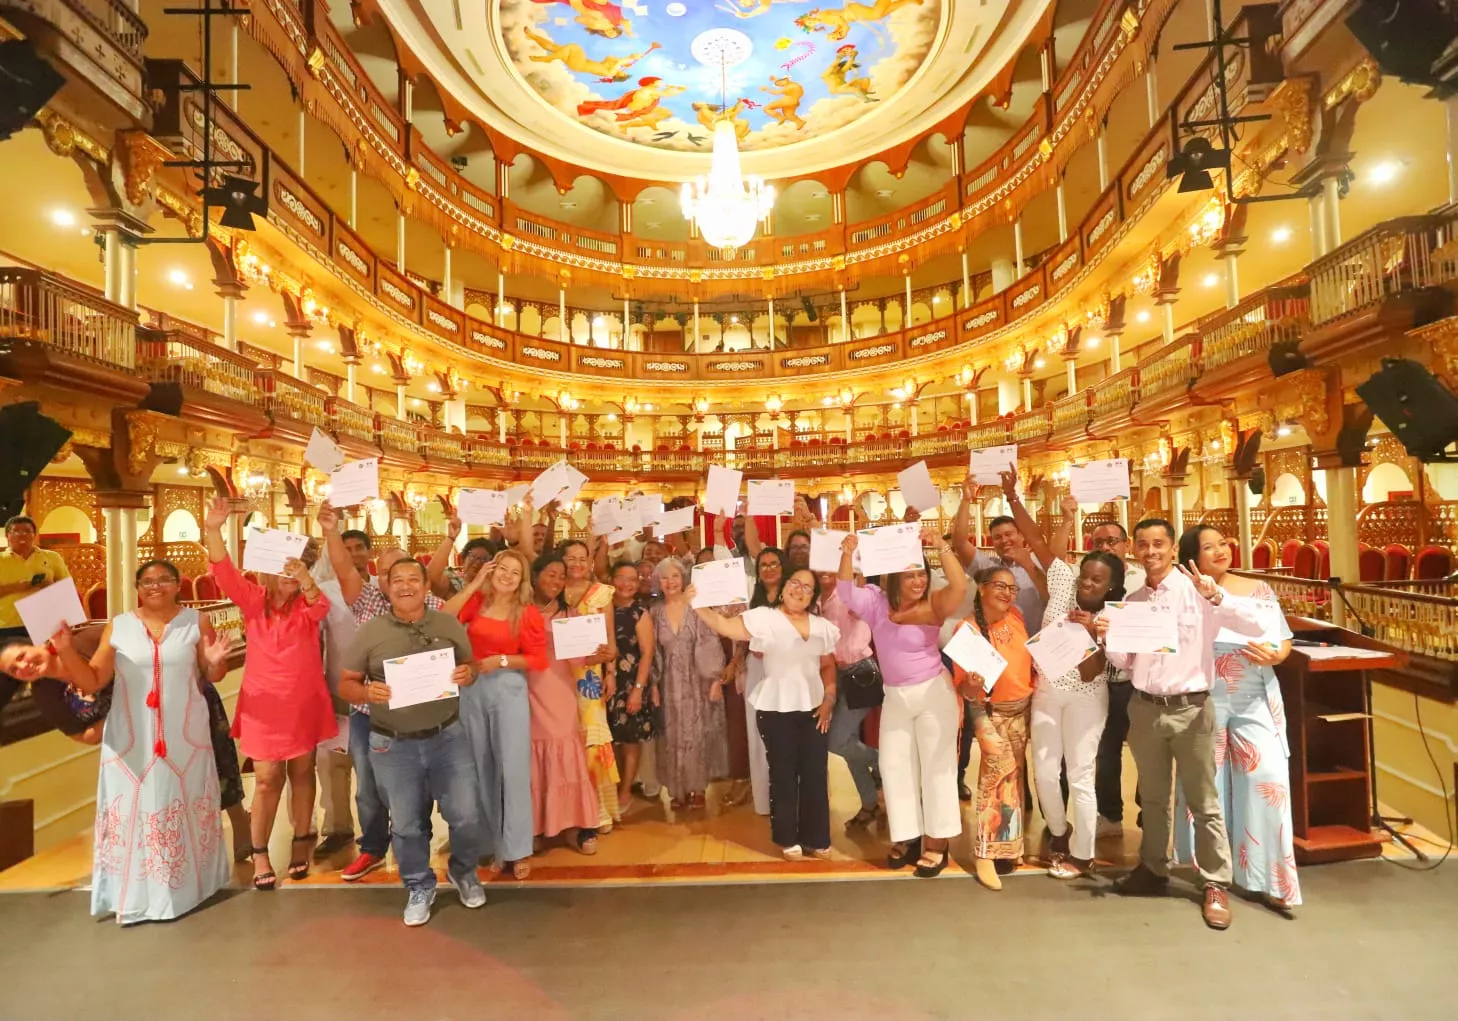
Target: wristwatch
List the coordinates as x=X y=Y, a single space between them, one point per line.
x=638 y=686
x=503 y=661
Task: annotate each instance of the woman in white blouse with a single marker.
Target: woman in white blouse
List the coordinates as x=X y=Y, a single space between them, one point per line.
x=792 y=706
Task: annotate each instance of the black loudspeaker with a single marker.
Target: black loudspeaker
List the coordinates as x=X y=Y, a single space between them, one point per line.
x=31 y=440
x=1405 y=37
x=1415 y=404
x=808 y=307
x=26 y=84
x=1285 y=356
x=1257 y=481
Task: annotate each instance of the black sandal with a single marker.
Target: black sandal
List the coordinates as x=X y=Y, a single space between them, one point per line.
x=931 y=872
x=300 y=869
x=864 y=819
x=263 y=881
x=911 y=852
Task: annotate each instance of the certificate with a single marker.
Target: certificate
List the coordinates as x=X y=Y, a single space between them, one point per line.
x=674 y=521
x=322 y=452
x=771 y=497
x=975 y=654
x=481 y=506
x=268 y=549
x=721 y=583
x=421 y=677
x=1099 y=482
x=988 y=464
x=516 y=494
x=890 y=548
x=825 y=546
x=607 y=515
x=575 y=637
x=643 y=511
x=46 y=610
x=917 y=488
x=1061 y=647
x=618 y=536
x=1141 y=627
x=561 y=483
x=1272 y=619
x=721 y=493
x=352 y=484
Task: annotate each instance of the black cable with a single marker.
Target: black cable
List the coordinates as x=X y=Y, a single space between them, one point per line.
x=1448 y=814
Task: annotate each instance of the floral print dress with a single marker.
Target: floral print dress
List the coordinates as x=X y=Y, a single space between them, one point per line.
x=629 y=728
x=592 y=714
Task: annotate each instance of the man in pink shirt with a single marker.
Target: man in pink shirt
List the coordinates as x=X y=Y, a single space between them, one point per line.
x=1172 y=721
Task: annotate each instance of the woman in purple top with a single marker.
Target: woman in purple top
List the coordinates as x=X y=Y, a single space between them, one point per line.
x=921 y=711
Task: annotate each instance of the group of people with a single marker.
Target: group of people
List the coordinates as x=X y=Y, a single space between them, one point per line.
x=538 y=748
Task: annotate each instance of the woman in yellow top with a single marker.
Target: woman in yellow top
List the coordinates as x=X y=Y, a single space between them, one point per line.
x=1000 y=722
x=596 y=679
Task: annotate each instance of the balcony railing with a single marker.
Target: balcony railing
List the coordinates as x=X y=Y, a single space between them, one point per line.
x=1253 y=326
x=1380 y=263
x=291 y=399
x=351 y=420
x=397 y=435
x=176 y=357
x=117 y=21
x=40 y=306
x=1419 y=622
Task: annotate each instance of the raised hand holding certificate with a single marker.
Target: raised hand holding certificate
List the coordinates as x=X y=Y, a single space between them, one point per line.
x=918 y=489
x=576 y=637
x=46 y=610
x=721 y=492
x=322 y=452
x=1141 y=627
x=674 y=521
x=890 y=548
x=771 y=497
x=825 y=546
x=720 y=583
x=352 y=484
x=1061 y=647
x=1272 y=619
x=975 y=654
x=481 y=506
x=266 y=550
x=1099 y=481
x=607 y=515
x=421 y=677
x=988 y=464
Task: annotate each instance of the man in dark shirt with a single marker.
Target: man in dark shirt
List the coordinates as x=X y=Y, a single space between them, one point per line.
x=420 y=753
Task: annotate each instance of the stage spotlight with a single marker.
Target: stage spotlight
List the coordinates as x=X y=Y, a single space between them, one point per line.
x=1194 y=163
x=235 y=196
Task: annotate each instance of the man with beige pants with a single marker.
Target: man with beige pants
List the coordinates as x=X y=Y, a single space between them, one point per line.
x=1171 y=719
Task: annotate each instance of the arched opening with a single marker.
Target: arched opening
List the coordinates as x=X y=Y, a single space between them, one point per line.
x=1386 y=482
x=66 y=525
x=181 y=526
x=1288 y=491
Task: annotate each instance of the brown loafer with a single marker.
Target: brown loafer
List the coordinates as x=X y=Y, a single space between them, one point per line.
x=1216 y=908
x=1141 y=883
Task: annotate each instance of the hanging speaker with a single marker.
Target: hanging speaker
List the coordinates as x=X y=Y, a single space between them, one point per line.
x=26 y=84
x=809 y=308
x=1415 y=404
x=31 y=440
x=1405 y=37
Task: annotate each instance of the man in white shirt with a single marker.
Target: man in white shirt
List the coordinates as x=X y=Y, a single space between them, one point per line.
x=1172 y=720
x=1109 y=767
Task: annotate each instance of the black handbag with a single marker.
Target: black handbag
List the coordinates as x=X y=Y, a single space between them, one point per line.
x=860 y=683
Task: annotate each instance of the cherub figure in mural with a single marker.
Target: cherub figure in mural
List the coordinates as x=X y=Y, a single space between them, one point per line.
x=637 y=108
x=838 y=76
x=708 y=114
x=600 y=17
x=575 y=58
x=786 y=107
x=837 y=23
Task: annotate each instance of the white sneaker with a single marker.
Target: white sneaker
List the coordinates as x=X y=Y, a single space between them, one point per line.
x=473 y=894
x=1109 y=828
x=417 y=908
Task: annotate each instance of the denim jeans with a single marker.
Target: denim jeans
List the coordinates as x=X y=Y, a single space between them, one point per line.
x=414 y=774
x=845 y=741
x=374 y=819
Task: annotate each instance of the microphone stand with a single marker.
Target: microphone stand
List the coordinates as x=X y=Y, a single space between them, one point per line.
x=1386 y=823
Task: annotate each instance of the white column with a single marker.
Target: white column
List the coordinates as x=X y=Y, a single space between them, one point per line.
x=1177 y=504
x=772 y=323
x=1242 y=521
x=1333 y=214
x=501 y=425
x=1072 y=367
x=230 y=322
x=1151 y=93
x=906 y=308
x=845 y=323
x=1018 y=247
x=351 y=370
x=1062 y=212
x=1232 y=280
x=115 y=562
x=300 y=167
x=501 y=299
x=407 y=94
x=627 y=327
x=1027 y=393
x=1103 y=154
x=1122 y=506
x=120 y=267
x=1003 y=275
x=562 y=430
x=972 y=410
x=1167 y=322
x=1318 y=225
x=353 y=199
x=445 y=277
x=850 y=425
x=1450 y=107
x=1341 y=505
x=298 y=356
x=454 y=414
x=966 y=283
x=564 y=332
x=1009 y=396
x=400 y=243
x=399 y=402
x=695 y=346
x=1115 y=357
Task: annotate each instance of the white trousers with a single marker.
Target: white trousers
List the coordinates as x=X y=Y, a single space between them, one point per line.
x=758 y=762
x=919 y=725
x=1065 y=727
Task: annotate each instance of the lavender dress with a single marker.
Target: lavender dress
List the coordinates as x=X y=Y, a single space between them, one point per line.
x=694 y=748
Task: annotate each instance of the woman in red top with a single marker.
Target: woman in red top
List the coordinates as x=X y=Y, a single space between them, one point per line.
x=508 y=638
x=283 y=709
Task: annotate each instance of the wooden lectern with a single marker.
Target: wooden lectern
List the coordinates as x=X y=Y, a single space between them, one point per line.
x=1328 y=720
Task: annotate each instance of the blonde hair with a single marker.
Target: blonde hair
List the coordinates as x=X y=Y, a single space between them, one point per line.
x=523 y=590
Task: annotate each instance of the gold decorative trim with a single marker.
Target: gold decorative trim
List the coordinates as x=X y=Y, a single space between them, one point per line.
x=1360 y=83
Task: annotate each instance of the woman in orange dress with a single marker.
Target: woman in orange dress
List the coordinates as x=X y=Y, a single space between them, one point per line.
x=1000 y=720
x=596 y=680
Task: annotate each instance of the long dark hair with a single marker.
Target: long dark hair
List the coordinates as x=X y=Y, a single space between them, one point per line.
x=1115 y=591
x=542 y=563
x=1190 y=541
x=979 y=579
x=891 y=586
x=760 y=596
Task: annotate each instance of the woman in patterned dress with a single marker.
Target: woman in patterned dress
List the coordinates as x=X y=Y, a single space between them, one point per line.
x=596 y=681
x=158 y=833
x=631 y=708
x=1252 y=768
x=688 y=667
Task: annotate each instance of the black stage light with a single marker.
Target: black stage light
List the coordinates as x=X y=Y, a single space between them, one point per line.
x=1416 y=405
x=235 y=196
x=27 y=83
x=1194 y=163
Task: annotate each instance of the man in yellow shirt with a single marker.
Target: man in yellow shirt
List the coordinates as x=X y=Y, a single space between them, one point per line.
x=24 y=568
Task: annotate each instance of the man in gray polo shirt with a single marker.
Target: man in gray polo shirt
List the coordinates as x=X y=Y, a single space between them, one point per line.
x=420 y=753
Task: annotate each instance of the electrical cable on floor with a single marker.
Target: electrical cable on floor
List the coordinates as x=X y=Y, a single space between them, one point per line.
x=1448 y=812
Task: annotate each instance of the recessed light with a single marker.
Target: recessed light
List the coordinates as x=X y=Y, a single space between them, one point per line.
x=1038 y=363
x=1210 y=280
x=1281 y=235
x=260 y=317
x=1091 y=341
x=415 y=401
x=1384 y=173
x=63 y=218
x=1142 y=316
x=433 y=387
x=734 y=320
x=177 y=277
x=1283 y=430
x=325 y=345
x=377 y=369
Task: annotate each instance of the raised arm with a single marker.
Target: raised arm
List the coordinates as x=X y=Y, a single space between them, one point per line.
x=435 y=571
x=753 y=544
x=457 y=602
x=726 y=627
x=218 y=514
x=212 y=652
x=88 y=677
x=350 y=583
x=962 y=544
x=1024 y=520
x=247 y=594
x=527 y=542
x=1062 y=540
x=946 y=600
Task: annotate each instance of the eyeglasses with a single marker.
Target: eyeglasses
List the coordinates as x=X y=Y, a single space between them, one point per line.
x=798 y=586
x=1107 y=542
x=156 y=583
x=1003 y=586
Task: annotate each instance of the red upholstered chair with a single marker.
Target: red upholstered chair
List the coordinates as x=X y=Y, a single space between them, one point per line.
x=661 y=446
x=1262 y=556
x=1399 y=562
x=685 y=447
x=1288 y=552
x=96 y=602
x=424 y=558
x=186 y=589
x=904 y=434
x=637 y=448
x=1323 y=560
x=1235 y=555
x=942 y=428
x=1306 y=562
x=205 y=588
x=1432 y=563
x=1371 y=564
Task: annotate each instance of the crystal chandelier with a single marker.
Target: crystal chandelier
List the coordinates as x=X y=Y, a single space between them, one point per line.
x=726 y=206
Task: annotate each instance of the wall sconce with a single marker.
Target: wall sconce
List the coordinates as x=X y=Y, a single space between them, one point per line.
x=846 y=397
x=701 y=404
x=773 y=404
x=412 y=365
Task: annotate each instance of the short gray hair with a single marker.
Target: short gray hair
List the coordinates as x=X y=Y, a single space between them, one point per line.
x=671 y=563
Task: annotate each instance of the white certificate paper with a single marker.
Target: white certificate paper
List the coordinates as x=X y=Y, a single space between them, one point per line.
x=988 y=464
x=44 y=611
x=721 y=583
x=721 y=493
x=890 y=548
x=1272 y=619
x=1099 y=481
x=825 y=546
x=1061 y=647
x=607 y=515
x=268 y=549
x=917 y=488
x=516 y=494
x=561 y=482
x=975 y=654
x=352 y=484
x=771 y=497
x=322 y=452
x=1141 y=627
x=421 y=677
x=674 y=521
x=481 y=506
x=641 y=512
x=574 y=637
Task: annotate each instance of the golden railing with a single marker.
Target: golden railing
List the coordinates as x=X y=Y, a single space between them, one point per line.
x=1381 y=263
x=1253 y=326
x=173 y=356
x=49 y=309
x=351 y=420
x=1424 y=623
x=289 y=398
x=397 y=435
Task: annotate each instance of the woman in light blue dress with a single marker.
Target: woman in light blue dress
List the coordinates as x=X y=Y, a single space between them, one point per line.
x=159 y=839
x=1252 y=757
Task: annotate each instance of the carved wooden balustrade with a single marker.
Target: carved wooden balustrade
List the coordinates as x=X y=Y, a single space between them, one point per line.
x=39 y=306
x=172 y=356
x=1381 y=263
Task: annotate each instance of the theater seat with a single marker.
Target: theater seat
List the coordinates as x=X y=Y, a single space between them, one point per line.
x=1371 y=564
x=206 y=590
x=1432 y=563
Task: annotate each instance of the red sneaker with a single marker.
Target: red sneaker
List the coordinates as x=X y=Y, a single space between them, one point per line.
x=361 y=867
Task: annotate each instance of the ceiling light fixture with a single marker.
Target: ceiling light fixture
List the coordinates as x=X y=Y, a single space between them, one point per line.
x=1142 y=316
x=63 y=218
x=177 y=277
x=1210 y=280
x=260 y=317
x=1281 y=235
x=1384 y=173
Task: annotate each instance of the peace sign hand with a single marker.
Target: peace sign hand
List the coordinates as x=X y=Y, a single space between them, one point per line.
x=1204 y=584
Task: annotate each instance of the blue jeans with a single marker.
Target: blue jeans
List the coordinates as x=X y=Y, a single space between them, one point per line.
x=496 y=716
x=374 y=819
x=413 y=775
x=845 y=741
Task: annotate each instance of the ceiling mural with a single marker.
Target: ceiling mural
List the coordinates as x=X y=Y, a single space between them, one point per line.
x=658 y=74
